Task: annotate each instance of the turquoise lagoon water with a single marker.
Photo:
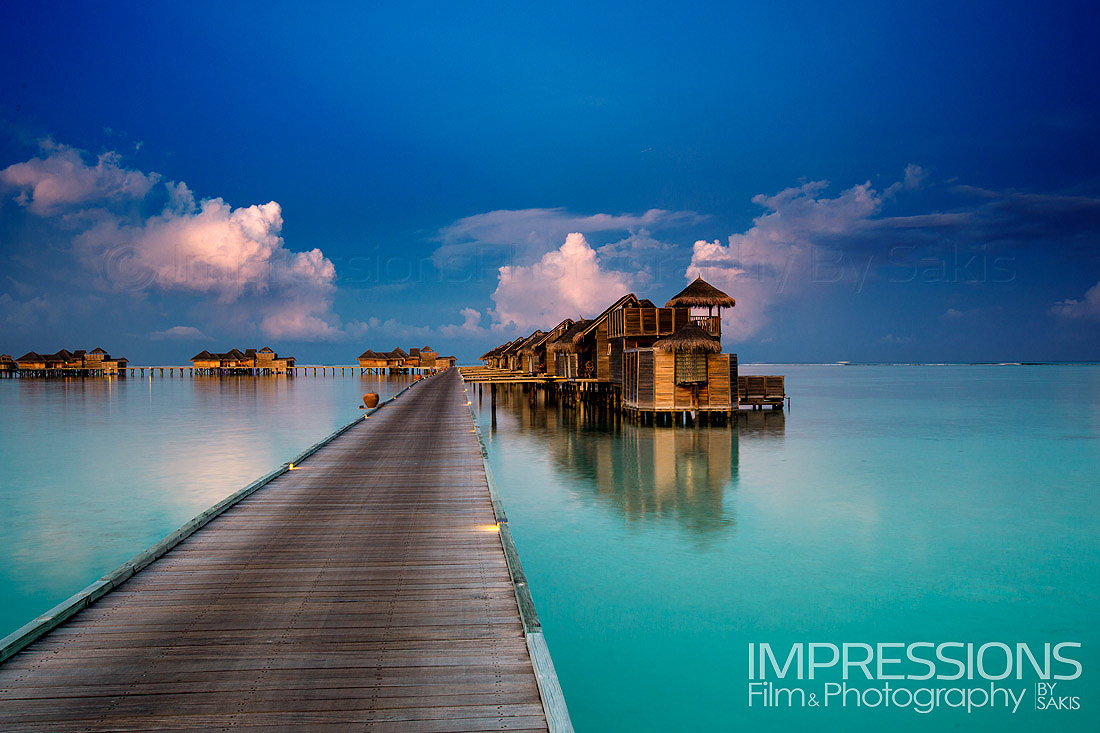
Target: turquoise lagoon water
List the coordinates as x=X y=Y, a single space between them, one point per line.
x=947 y=503
x=890 y=504
x=94 y=471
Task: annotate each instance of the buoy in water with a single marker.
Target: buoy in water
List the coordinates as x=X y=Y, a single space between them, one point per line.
x=370 y=400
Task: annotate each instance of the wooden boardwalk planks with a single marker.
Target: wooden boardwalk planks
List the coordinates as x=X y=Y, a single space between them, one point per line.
x=366 y=590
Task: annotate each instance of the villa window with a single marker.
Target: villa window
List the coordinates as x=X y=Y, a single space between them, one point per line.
x=691 y=368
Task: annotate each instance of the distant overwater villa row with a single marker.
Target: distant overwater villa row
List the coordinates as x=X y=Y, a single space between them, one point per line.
x=235 y=362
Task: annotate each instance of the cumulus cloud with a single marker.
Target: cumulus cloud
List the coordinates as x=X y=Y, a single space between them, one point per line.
x=1088 y=307
x=233 y=260
x=471 y=324
x=565 y=283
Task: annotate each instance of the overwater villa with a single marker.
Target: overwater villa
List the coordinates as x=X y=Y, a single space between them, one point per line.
x=424 y=359
x=235 y=361
x=648 y=360
x=64 y=363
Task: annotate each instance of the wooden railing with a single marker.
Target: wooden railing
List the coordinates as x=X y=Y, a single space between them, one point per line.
x=710 y=324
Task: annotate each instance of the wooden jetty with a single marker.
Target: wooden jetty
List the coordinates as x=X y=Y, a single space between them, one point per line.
x=372 y=585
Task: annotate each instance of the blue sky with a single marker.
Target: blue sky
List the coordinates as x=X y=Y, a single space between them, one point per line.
x=871 y=181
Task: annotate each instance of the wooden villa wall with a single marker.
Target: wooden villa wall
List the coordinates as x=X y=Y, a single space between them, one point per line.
x=567 y=364
x=630 y=322
x=603 y=358
x=616 y=360
x=649 y=382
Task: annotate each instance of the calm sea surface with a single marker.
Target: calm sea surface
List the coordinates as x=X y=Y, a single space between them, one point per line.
x=94 y=471
x=891 y=504
x=946 y=503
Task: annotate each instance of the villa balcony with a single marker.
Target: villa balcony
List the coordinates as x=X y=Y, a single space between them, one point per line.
x=710 y=324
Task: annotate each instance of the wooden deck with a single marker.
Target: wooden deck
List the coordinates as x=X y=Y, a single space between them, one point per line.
x=365 y=590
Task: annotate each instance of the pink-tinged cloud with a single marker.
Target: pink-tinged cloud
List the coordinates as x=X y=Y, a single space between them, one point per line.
x=234 y=260
x=565 y=283
x=772 y=260
x=61 y=178
x=1087 y=308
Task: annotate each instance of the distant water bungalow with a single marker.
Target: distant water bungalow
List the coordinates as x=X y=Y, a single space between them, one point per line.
x=63 y=363
x=398 y=361
x=652 y=362
x=235 y=361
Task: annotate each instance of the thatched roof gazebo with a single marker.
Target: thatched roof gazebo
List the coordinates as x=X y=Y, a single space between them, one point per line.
x=701 y=294
x=689 y=338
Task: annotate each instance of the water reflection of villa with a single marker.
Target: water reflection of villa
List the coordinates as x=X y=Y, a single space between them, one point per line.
x=679 y=475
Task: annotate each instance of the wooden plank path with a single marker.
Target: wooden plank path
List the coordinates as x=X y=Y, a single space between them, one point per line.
x=366 y=590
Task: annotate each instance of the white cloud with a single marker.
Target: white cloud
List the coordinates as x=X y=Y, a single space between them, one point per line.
x=471 y=325
x=233 y=259
x=1088 y=307
x=565 y=283
x=913 y=179
x=178 y=333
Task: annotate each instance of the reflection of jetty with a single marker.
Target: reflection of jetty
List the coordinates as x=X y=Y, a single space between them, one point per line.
x=658 y=365
x=63 y=363
x=371 y=583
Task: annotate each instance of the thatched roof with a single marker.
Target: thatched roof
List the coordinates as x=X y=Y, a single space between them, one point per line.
x=533 y=341
x=700 y=294
x=497 y=351
x=689 y=338
x=513 y=347
x=525 y=343
x=567 y=341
